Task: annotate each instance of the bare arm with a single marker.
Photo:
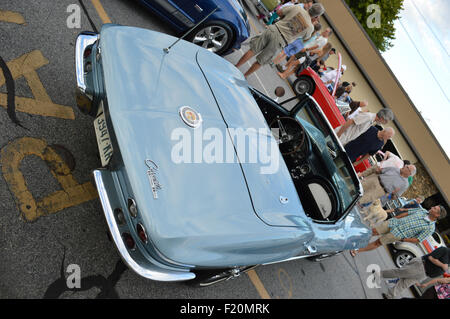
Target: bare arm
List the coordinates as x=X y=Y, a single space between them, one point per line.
x=344 y=127
x=438 y=263
x=411 y=240
x=371 y=170
x=401 y=215
x=312 y=48
x=434 y=282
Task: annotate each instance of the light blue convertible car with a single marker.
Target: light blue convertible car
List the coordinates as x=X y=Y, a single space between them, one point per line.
x=202 y=176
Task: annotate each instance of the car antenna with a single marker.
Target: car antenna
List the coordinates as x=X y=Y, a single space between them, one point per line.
x=166 y=50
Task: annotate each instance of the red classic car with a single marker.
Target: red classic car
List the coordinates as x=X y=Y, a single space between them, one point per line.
x=308 y=81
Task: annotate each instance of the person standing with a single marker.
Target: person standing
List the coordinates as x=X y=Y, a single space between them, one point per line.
x=390 y=160
x=368 y=143
x=357 y=125
x=379 y=183
x=274 y=16
x=303 y=62
x=312 y=47
x=295 y=22
x=432 y=265
x=297 y=46
x=441 y=286
x=320 y=62
x=355 y=108
x=411 y=204
x=330 y=76
x=413 y=227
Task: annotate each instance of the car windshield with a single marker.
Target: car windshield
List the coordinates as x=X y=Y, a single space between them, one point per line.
x=342 y=171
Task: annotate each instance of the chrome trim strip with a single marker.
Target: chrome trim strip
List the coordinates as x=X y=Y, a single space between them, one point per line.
x=84 y=39
x=284 y=260
x=153 y=273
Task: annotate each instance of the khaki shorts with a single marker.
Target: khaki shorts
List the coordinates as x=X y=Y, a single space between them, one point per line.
x=386 y=236
x=267 y=44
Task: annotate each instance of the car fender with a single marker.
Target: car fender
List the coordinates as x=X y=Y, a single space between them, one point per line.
x=413 y=248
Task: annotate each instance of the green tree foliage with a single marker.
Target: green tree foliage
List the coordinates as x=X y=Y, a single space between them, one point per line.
x=389 y=12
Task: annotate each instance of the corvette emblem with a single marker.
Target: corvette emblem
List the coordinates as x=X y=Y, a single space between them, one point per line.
x=190 y=116
x=151 y=173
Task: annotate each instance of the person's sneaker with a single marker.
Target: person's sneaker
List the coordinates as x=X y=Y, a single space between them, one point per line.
x=302 y=59
x=392 y=282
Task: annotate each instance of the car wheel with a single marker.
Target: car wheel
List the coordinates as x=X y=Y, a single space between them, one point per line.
x=321 y=257
x=402 y=257
x=304 y=84
x=206 y=278
x=215 y=36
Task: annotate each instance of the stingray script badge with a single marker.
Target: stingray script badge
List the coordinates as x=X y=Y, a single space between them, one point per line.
x=151 y=173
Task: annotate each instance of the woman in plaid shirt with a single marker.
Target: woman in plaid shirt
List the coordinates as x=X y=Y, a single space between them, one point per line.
x=413 y=226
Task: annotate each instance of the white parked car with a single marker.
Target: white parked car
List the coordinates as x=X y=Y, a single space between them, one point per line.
x=403 y=252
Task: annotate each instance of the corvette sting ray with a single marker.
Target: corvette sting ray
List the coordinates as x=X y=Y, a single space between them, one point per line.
x=194 y=219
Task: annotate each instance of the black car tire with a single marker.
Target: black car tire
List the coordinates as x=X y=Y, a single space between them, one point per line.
x=304 y=84
x=226 y=35
x=206 y=278
x=400 y=257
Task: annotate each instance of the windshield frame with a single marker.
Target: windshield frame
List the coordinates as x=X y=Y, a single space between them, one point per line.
x=335 y=139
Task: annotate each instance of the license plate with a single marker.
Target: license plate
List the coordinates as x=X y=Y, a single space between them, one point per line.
x=103 y=139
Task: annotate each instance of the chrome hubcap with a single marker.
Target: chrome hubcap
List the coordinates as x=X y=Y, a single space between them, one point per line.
x=212 y=38
x=302 y=87
x=404 y=259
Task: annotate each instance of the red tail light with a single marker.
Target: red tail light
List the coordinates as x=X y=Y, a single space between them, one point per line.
x=129 y=241
x=141 y=233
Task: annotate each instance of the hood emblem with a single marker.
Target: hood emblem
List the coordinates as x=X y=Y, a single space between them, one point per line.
x=190 y=116
x=151 y=173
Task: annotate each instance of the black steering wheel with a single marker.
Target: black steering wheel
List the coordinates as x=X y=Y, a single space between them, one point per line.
x=289 y=134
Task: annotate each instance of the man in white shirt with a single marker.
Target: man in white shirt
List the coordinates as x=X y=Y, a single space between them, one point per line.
x=390 y=160
x=330 y=76
x=354 y=127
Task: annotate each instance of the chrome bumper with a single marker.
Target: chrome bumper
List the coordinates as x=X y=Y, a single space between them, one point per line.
x=83 y=95
x=145 y=269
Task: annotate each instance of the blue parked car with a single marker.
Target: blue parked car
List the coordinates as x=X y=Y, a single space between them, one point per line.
x=174 y=216
x=221 y=33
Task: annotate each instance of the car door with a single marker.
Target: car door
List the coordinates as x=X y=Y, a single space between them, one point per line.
x=183 y=14
x=195 y=10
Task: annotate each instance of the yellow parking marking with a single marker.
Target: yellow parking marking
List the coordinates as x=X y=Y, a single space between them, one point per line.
x=101 y=11
x=72 y=192
x=285 y=282
x=258 y=284
x=41 y=104
x=12 y=17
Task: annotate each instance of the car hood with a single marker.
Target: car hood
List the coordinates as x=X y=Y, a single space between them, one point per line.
x=206 y=213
